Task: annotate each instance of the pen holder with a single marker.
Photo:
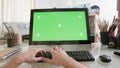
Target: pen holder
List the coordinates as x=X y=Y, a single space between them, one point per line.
x=104 y=38
x=11 y=39
x=114 y=41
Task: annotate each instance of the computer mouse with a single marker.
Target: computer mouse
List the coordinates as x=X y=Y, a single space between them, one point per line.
x=105 y=58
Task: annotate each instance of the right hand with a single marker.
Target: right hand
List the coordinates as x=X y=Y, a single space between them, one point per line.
x=60 y=57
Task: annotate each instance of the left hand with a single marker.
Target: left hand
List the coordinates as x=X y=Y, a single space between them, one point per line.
x=29 y=56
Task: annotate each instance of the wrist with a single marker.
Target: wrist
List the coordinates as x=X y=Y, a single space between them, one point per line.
x=17 y=61
x=67 y=62
x=71 y=63
x=13 y=63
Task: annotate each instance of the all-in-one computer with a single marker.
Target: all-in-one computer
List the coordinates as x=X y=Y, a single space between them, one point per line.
x=59 y=27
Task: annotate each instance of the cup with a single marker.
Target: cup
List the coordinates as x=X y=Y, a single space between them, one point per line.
x=96 y=47
x=11 y=39
x=18 y=39
x=104 y=38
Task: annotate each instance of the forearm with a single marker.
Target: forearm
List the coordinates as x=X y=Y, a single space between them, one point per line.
x=71 y=63
x=13 y=63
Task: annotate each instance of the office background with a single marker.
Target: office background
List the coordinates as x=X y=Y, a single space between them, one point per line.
x=19 y=10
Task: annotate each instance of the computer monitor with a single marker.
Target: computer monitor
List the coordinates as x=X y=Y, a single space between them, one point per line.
x=59 y=26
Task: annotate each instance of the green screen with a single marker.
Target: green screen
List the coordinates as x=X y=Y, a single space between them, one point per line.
x=59 y=26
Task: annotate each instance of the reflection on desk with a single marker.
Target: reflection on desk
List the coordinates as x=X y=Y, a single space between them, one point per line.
x=97 y=63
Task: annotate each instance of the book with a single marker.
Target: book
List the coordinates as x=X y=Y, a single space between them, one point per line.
x=8 y=52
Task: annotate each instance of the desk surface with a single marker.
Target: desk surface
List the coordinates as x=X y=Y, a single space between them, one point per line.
x=92 y=64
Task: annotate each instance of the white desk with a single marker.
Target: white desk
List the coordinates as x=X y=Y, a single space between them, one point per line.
x=115 y=63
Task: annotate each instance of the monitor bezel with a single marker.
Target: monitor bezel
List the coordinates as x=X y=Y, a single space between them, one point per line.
x=88 y=41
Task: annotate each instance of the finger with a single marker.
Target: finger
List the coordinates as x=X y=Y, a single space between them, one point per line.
x=42 y=52
x=37 y=59
x=60 y=48
x=46 y=60
x=56 y=48
x=53 y=52
x=38 y=50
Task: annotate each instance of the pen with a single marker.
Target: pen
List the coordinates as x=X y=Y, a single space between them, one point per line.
x=103 y=25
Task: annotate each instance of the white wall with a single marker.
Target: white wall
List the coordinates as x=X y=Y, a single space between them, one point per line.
x=17 y=10
x=107 y=7
x=0 y=16
x=53 y=3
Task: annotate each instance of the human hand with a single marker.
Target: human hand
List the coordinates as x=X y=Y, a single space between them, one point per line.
x=30 y=55
x=25 y=57
x=59 y=56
